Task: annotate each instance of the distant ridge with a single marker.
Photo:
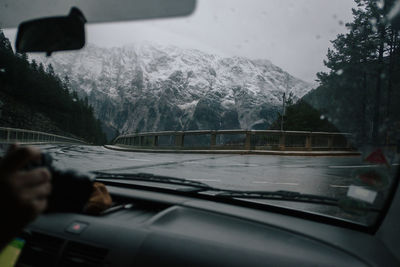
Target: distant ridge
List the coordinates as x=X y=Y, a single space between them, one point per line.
x=148 y=87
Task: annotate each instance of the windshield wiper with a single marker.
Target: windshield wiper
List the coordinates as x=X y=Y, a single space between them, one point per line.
x=222 y=193
x=216 y=192
x=148 y=177
x=280 y=195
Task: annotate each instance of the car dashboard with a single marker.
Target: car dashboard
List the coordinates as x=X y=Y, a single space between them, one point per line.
x=160 y=229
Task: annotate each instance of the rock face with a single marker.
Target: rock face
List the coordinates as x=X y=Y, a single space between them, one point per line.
x=149 y=87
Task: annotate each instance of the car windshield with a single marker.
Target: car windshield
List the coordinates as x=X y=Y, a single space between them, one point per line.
x=253 y=96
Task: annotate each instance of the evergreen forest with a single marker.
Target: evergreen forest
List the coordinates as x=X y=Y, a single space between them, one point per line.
x=360 y=92
x=40 y=89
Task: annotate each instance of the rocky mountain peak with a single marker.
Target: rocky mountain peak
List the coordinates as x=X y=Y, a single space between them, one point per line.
x=148 y=87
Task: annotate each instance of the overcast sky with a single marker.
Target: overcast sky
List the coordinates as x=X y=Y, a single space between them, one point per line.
x=293 y=34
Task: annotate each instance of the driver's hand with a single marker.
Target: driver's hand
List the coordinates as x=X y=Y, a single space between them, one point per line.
x=23 y=194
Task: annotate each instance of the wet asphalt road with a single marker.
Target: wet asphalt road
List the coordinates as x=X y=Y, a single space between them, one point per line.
x=322 y=175
x=328 y=176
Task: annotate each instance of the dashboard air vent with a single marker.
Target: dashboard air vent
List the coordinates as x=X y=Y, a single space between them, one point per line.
x=82 y=255
x=40 y=250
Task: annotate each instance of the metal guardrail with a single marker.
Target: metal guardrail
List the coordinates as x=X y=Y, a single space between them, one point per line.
x=237 y=139
x=12 y=135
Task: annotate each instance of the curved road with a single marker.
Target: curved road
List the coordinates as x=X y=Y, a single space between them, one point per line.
x=329 y=176
x=316 y=175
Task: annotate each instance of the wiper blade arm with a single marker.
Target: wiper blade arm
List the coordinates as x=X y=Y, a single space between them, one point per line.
x=280 y=195
x=148 y=177
x=222 y=193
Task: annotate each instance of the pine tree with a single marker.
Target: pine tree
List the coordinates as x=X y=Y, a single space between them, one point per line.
x=34 y=65
x=363 y=65
x=50 y=70
x=41 y=68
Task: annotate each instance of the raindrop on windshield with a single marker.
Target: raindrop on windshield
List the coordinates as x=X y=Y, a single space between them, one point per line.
x=373 y=22
x=322 y=117
x=380 y=4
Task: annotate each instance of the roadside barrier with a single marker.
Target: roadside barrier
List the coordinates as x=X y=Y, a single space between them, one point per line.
x=12 y=135
x=237 y=139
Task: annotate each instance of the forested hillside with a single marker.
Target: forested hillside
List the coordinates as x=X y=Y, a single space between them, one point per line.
x=31 y=87
x=361 y=91
x=301 y=116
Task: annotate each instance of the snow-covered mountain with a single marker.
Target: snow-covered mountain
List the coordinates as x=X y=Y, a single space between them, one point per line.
x=147 y=87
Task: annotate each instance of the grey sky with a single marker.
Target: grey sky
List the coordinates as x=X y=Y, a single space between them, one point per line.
x=293 y=34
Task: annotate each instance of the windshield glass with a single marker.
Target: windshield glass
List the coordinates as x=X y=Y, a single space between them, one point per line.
x=293 y=95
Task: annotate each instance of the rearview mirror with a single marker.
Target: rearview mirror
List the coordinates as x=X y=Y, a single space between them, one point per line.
x=52 y=34
x=12 y=12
